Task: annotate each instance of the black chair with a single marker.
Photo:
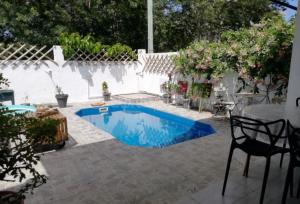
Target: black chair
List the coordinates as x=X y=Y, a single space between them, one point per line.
x=294 y=142
x=254 y=146
x=284 y=144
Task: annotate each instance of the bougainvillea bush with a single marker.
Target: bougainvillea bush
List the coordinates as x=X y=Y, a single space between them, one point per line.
x=263 y=51
x=260 y=54
x=202 y=59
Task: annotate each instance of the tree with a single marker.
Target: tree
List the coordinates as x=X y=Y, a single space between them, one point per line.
x=180 y=22
x=177 y=23
x=42 y=21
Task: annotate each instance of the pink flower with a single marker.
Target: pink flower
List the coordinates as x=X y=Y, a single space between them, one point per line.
x=198 y=66
x=203 y=67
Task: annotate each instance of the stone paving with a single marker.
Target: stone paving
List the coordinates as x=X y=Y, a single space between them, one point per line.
x=136 y=97
x=96 y=168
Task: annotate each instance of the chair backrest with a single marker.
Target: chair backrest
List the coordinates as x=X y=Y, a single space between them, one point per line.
x=294 y=140
x=250 y=128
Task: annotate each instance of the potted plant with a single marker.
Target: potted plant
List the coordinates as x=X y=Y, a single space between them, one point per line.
x=19 y=135
x=105 y=92
x=166 y=89
x=183 y=86
x=199 y=92
x=61 y=97
x=175 y=92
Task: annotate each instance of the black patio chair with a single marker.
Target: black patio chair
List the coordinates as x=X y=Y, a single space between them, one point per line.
x=294 y=142
x=284 y=144
x=255 y=146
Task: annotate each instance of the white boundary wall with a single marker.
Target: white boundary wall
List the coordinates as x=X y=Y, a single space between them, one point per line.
x=82 y=81
x=36 y=83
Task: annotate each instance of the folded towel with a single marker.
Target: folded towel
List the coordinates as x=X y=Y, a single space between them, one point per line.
x=98 y=104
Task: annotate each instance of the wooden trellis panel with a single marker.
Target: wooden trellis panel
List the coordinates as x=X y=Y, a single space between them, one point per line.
x=101 y=57
x=162 y=63
x=24 y=54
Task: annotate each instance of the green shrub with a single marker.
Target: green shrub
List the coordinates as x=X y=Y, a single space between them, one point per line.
x=73 y=42
x=104 y=86
x=19 y=137
x=200 y=90
x=119 y=49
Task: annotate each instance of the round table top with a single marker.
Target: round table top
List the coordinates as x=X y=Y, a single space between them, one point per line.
x=267 y=112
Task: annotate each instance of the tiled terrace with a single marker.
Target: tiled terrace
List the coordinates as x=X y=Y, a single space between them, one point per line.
x=96 y=168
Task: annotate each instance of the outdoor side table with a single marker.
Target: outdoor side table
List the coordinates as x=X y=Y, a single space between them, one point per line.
x=244 y=99
x=221 y=108
x=7 y=95
x=249 y=97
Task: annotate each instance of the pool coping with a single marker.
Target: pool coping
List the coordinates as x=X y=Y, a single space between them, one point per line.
x=196 y=129
x=83 y=132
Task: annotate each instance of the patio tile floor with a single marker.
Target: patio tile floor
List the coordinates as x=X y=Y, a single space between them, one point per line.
x=96 y=168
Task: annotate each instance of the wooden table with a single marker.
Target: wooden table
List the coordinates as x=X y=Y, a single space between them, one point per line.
x=62 y=129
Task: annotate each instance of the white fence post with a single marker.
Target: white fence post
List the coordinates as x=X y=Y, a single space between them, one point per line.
x=58 y=55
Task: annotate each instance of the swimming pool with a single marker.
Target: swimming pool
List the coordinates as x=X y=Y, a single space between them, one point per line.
x=20 y=108
x=137 y=125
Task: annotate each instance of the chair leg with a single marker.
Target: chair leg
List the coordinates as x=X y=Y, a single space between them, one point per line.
x=287 y=184
x=266 y=174
x=247 y=166
x=292 y=182
x=282 y=154
x=227 y=168
x=298 y=191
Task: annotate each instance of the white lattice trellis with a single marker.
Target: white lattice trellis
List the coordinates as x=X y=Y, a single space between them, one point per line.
x=101 y=57
x=16 y=54
x=162 y=63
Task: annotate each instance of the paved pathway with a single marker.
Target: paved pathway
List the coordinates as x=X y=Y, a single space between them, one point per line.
x=96 y=168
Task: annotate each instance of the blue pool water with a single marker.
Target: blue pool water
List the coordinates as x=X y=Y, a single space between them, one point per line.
x=20 y=108
x=137 y=125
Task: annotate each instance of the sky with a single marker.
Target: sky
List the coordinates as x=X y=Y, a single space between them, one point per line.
x=289 y=12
